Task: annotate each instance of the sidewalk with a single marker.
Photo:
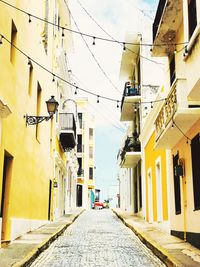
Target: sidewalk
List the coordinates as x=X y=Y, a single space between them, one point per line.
x=22 y=251
x=171 y=250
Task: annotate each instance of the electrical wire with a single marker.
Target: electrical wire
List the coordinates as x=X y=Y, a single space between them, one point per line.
x=85 y=34
x=92 y=54
x=73 y=85
x=120 y=43
x=174 y=123
x=84 y=90
x=77 y=80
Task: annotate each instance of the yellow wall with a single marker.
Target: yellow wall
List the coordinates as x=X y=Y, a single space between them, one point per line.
x=151 y=156
x=32 y=163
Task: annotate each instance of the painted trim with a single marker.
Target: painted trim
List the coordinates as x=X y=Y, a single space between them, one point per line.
x=158 y=162
x=150 y=197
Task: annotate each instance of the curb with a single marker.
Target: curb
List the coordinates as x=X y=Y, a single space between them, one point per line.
x=32 y=255
x=159 y=251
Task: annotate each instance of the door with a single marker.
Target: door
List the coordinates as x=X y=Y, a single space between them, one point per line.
x=5 y=197
x=50 y=194
x=79 y=195
x=177 y=189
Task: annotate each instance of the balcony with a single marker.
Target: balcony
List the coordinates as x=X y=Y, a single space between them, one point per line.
x=131 y=153
x=167 y=21
x=176 y=109
x=131 y=96
x=67 y=131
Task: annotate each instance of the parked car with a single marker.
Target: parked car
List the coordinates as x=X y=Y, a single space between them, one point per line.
x=98 y=205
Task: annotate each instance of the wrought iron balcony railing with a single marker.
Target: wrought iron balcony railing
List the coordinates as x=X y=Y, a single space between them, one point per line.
x=80 y=172
x=130 y=90
x=67 y=130
x=132 y=144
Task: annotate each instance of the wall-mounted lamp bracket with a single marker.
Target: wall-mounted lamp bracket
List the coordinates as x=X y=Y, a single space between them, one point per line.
x=32 y=120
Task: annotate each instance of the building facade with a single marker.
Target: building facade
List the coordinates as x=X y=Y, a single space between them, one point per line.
x=140 y=86
x=85 y=155
x=178 y=122
x=37 y=175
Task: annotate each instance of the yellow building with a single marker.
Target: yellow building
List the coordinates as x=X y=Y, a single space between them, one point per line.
x=85 y=155
x=27 y=157
x=155 y=169
x=178 y=122
x=64 y=139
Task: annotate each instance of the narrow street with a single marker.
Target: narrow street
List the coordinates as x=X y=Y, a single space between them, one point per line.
x=97 y=238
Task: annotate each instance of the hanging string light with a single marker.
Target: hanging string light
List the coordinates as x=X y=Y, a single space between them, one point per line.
x=135 y=108
x=93 y=40
x=186 y=51
x=76 y=89
x=124 y=46
x=29 y=18
x=175 y=51
x=60 y=78
x=88 y=35
x=117 y=104
x=1 y=39
x=29 y=62
x=63 y=33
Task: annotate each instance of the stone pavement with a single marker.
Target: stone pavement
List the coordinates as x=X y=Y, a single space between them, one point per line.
x=97 y=239
x=22 y=251
x=171 y=250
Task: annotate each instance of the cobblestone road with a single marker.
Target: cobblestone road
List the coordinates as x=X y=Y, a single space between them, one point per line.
x=97 y=238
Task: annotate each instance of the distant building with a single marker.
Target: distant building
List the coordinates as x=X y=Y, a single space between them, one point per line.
x=85 y=154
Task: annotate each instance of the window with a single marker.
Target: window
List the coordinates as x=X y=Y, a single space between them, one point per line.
x=79 y=145
x=80 y=119
x=90 y=152
x=177 y=191
x=195 y=150
x=172 y=69
x=39 y=95
x=90 y=173
x=13 y=41
x=90 y=133
x=192 y=16
x=44 y=33
x=30 y=81
x=80 y=163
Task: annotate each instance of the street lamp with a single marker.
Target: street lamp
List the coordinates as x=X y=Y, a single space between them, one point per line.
x=52 y=106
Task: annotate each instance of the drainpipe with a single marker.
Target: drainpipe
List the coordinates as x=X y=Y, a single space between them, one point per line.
x=184 y=207
x=181 y=162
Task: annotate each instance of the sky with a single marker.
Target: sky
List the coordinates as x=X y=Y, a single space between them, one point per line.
x=96 y=68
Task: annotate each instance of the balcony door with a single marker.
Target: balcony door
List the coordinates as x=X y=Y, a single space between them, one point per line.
x=5 y=197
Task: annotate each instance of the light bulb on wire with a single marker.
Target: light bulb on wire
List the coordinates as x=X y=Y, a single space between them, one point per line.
x=29 y=18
